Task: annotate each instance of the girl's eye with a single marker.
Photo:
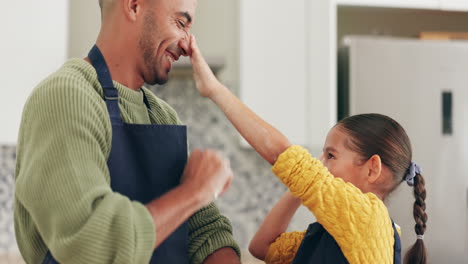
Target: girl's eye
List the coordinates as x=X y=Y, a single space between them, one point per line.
x=330 y=156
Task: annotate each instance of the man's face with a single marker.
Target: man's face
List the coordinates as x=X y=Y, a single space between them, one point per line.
x=165 y=37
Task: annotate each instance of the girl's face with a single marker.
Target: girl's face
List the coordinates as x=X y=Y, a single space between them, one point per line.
x=343 y=162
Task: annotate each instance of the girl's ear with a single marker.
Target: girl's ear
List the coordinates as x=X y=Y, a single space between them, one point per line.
x=374 y=168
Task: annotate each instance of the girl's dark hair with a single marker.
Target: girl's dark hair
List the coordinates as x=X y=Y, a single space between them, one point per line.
x=375 y=134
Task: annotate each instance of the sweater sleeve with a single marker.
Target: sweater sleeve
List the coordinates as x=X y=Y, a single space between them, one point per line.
x=284 y=249
x=63 y=180
x=359 y=222
x=209 y=231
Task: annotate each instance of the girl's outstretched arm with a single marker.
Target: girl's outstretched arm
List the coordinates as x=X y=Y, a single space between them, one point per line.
x=263 y=137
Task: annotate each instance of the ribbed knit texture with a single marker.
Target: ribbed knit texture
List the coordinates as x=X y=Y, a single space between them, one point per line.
x=359 y=222
x=64 y=202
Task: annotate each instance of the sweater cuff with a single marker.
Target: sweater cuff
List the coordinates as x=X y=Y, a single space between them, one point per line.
x=287 y=164
x=284 y=248
x=287 y=160
x=145 y=234
x=297 y=169
x=219 y=240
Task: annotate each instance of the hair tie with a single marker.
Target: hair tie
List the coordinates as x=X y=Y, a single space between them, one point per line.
x=420 y=237
x=412 y=171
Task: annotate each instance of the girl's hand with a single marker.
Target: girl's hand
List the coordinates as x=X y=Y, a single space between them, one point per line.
x=205 y=80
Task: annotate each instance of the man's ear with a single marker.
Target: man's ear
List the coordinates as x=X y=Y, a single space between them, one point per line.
x=132 y=8
x=374 y=168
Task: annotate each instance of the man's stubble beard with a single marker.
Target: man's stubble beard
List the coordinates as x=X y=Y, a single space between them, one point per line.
x=148 y=48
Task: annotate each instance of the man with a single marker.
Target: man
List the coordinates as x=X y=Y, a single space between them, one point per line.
x=102 y=172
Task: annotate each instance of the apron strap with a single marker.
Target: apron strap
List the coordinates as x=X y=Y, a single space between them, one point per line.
x=48 y=259
x=396 y=246
x=309 y=243
x=111 y=95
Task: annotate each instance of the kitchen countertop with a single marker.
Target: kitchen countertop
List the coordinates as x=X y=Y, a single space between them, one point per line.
x=15 y=258
x=247 y=258
x=11 y=258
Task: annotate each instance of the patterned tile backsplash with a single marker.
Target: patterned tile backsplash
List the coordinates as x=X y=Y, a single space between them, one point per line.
x=7 y=174
x=252 y=193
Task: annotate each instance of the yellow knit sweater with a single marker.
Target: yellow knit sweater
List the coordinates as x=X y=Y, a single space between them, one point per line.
x=359 y=222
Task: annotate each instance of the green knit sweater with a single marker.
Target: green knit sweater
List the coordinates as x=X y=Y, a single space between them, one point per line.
x=64 y=202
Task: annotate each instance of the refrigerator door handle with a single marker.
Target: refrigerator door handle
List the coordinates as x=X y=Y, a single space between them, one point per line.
x=447 y=122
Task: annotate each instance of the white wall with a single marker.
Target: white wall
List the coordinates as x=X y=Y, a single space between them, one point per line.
x=34 y=41
x=216 y=28
x=85 y=22
x=41 y=35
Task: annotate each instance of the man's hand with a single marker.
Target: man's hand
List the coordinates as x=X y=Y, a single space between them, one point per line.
x=223 y=255
x=207 y=175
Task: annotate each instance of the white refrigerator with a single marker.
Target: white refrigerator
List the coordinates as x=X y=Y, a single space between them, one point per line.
x=424 y=86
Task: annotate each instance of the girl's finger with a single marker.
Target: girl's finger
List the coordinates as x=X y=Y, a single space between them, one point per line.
x=193 y=42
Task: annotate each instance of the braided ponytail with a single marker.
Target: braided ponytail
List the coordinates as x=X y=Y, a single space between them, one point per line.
x=378 y=134
x=417 y=254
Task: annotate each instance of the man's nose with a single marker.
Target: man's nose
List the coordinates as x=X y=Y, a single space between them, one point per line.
x=184 y=45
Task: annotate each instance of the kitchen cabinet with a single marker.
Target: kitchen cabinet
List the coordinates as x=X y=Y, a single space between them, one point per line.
x=454 y=5
x=449 y=5
x=427 y=4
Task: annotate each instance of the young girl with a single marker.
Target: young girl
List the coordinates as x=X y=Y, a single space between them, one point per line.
x=365 y=158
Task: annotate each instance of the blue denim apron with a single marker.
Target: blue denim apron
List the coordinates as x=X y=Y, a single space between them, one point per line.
x=318 y=246
x=145 y=162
